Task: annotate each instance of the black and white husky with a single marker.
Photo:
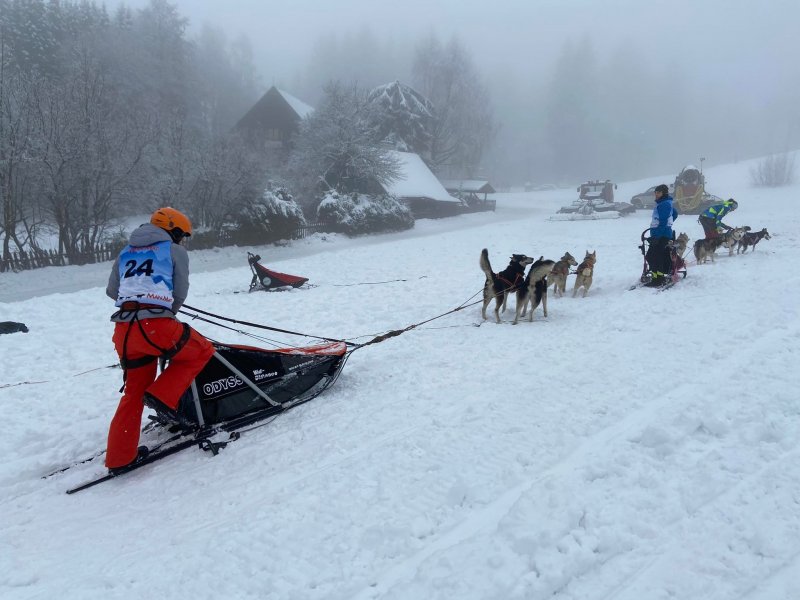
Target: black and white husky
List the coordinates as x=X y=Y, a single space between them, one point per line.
x=499 y=285
x=534 y=289
x=751 y=239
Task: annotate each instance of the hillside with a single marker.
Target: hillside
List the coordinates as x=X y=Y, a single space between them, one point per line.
x=633 y=445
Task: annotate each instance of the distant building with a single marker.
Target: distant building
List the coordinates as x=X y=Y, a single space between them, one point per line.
x=419 y=188
x=273 y=121
x=469 y=190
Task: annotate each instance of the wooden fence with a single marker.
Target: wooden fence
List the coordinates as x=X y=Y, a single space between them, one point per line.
x=37 y=259
x=312 y=228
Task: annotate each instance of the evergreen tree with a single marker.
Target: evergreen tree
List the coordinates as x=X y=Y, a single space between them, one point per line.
x=403 y=118
x=336 y=148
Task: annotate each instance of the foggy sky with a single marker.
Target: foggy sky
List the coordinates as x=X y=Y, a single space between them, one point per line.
x=737 y=47
x=732 y=67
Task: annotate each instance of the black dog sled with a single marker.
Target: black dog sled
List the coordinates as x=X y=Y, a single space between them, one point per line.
x=239 y=387
x=266 y=279
x=240 y=380
x=678 y=265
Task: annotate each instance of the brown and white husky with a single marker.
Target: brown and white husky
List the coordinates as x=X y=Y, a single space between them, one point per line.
x=585 y=274
x=558 y=276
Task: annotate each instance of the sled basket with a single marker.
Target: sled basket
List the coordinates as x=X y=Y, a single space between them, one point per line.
x=678 y=264
x=242 y=379
x=267 y=279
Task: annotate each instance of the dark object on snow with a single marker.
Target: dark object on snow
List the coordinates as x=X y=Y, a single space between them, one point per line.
x=677 y=268
x=12 y=327
x=243 y=379
x=265 y=279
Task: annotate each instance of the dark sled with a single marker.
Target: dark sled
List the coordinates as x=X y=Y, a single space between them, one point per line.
x=266 y=279
x=678 y=264
x=238 y=388
x=243 y=380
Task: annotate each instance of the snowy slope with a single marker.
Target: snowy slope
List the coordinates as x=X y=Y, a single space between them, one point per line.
x=633 y=445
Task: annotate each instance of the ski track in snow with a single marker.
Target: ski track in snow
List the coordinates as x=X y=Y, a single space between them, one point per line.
x=633 y=445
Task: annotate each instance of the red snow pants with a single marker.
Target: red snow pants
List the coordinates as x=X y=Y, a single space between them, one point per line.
x=123 y=433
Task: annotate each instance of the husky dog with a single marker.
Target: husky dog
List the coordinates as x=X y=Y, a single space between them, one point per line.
x=558 y=276
x=499 y=285
x=680 y=244
x=704 y=249
x=731 y=238
x=12 y=327
x=534 y=290
x=585 y=274
x=751 y=239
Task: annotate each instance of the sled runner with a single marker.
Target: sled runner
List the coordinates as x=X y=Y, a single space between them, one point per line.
x=239 y=387
x=266 y=279
x=678 y=269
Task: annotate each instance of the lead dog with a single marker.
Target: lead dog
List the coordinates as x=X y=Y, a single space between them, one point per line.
x=585 y=274
x=751 y=239
x=558 y=276
x=499 y=285
x=704 y=249
x=534 y=290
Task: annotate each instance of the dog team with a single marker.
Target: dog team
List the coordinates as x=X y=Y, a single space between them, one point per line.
x=531 y=288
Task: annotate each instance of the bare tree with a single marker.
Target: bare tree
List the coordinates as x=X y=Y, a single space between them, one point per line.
x=15 y=138
x=774 y=171
x=228 y=176
x=464 y=125
x=90 y=147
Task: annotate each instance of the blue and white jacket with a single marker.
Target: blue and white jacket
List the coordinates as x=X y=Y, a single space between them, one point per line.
x=663 y=216
x=152 y=270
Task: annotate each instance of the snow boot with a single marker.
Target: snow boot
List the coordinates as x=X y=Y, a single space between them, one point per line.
x=141 y=454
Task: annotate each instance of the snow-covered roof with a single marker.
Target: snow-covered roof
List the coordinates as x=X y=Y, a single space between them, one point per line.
x=479 y=186
x=417 y=180
x=298 y=106
x=399 y=96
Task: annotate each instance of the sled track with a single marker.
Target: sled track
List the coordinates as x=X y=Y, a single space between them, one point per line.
x=668 y=543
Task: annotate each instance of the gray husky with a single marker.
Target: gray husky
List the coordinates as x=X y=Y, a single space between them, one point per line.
x=534 y=290
x=704 y=248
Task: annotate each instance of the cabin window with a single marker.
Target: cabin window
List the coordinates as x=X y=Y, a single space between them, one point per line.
x=274 y=135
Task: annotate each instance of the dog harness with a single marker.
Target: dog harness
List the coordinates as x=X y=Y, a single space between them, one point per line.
x=561 y=268
x=585 y=266
x=516 y=271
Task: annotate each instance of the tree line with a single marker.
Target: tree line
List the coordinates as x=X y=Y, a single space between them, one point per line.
x=103 y=116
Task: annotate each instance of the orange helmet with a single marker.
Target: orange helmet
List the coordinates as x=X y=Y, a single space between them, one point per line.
x=171 y=220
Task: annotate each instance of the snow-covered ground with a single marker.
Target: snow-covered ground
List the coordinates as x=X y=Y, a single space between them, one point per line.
x=633 y=445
